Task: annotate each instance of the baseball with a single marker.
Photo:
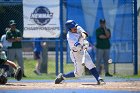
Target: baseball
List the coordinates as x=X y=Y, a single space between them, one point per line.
x=110 y=61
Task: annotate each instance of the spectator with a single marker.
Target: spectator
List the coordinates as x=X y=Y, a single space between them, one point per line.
x=15 y=51
x=4 y=42
x=103 y=35
x=38 y=54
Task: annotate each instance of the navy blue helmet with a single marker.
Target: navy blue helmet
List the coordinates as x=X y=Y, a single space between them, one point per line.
x=70 y=24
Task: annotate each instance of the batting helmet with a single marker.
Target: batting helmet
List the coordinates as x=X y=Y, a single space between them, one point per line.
x=70 y=24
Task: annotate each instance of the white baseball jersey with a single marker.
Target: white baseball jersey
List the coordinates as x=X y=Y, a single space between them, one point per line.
x=5 y=43
x=76 y=56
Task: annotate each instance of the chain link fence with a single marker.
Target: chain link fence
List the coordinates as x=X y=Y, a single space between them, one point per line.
x=11 y=12
x=14 y=11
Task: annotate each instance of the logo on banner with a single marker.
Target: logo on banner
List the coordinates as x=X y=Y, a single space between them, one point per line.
x=41 y=15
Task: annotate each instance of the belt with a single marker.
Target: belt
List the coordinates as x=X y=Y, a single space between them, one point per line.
x=73 y=50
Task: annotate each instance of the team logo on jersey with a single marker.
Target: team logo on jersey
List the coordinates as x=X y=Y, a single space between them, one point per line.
x=41 y=15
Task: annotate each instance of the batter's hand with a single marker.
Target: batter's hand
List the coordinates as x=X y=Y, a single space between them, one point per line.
x=85 y=44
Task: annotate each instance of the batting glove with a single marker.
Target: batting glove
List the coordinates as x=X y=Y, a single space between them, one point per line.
x=85 y=44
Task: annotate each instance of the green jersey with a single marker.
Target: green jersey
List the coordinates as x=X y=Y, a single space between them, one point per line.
x=102 y=43
x=14 y=34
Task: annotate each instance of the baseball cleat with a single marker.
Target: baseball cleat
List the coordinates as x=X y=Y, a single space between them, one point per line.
x=108 y=75
x=18 y=74
x=59 y=79
x=101 y=82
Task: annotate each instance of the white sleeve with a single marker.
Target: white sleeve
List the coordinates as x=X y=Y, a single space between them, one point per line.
x=73 y=43
x=80 y=29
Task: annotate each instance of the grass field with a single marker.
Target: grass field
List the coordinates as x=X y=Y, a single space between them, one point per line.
x=29 y=64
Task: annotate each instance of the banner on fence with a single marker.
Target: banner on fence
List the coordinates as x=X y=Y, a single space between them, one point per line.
x=41 y=18
x=119 y=18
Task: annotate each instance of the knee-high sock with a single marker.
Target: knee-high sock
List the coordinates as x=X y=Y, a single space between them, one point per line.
x=69 y=75
x=94 y=72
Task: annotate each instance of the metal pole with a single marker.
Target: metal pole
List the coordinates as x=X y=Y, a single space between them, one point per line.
x=44 y=64
x=61 y=36
x=135 y=39
x=114 y=68
x=56 y=58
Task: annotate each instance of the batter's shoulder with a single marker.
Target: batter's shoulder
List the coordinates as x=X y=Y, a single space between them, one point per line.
x=68 y=35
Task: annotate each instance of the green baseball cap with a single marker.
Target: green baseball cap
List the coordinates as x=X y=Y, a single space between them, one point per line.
x=102 y=21
x=12 y=22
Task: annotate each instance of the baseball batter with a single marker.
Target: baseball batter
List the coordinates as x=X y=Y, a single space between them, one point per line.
x=76 y=37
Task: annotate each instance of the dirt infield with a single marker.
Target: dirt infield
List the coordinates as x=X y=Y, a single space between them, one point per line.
x=129 y=85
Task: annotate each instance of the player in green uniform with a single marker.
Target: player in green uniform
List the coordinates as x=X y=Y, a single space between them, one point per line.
x=4 y=67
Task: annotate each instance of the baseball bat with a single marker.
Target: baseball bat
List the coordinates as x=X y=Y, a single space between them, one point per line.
x=84 y=57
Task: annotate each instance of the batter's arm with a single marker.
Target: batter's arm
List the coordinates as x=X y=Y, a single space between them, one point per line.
x=84 y=35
